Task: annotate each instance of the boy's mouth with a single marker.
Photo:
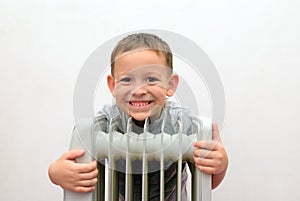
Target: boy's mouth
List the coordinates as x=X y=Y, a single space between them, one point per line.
x=139 y=103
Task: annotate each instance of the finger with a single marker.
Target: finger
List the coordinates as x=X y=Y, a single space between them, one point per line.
x=209 y=145
x=83 y=189
x=86 y=167
x=202 y=153
x=205 y=162
x=208 y=154
x=215 y=132
x=208 y=170
x=89 y=175
x=72 y=154
x=87 y=183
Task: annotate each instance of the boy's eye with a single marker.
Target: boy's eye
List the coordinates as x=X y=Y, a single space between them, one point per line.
x=151 y=80
x=126 y=80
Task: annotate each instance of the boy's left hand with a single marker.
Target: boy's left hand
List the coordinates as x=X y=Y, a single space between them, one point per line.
x=210 y=155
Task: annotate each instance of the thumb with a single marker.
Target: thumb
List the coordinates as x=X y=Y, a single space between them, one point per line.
x=215 y=132
x=73 y=154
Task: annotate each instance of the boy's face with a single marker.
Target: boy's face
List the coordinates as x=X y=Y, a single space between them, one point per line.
x=140 y=83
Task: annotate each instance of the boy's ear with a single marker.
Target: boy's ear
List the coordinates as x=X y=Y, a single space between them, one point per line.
x=172 y=85
x=111 y=84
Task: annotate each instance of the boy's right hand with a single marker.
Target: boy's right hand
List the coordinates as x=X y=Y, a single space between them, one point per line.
x=78 y=177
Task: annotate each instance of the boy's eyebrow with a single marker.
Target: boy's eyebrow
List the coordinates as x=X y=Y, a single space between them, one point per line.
x=152 y=73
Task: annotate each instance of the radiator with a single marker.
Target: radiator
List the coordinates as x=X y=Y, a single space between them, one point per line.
x=110 y=146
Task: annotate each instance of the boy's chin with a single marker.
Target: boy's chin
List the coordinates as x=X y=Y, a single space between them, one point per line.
x=142 y=116
x=139 y=117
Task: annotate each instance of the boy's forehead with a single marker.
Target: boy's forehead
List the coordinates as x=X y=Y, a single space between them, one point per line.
x=147 y=69
x=140 y=56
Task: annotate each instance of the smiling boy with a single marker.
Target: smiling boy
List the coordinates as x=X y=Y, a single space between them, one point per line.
x=141 y=78
x=140 y=83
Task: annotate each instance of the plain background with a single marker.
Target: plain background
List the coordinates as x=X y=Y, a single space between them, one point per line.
x=254 y=45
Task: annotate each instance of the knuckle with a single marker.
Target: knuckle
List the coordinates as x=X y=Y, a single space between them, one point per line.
x=95 y=173
x=199 y=143
x=92 y=166
x=218 y=163
x=73 y=168
x=92 y=182
x=89 y=167
x=95 y=180
x=217 y=156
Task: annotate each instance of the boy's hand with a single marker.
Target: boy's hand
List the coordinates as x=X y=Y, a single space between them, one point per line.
x=210 y=156
x=79 y=177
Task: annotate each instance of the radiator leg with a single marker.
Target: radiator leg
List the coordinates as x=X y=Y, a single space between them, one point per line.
x=196 y=185
x=128 y=179
x=112 y=178
x=162 y=169
x=100 y=187
x=145 y=164
x=179 y=163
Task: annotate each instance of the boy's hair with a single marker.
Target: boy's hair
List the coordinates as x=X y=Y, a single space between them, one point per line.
x=139 y=41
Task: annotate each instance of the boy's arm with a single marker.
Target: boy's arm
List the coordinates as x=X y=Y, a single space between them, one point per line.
x=79 y=177
x=211 y=157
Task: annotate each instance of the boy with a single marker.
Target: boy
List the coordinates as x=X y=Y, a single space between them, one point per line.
x=141 y=78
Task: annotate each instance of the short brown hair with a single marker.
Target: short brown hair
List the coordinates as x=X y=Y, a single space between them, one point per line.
x=142 y=40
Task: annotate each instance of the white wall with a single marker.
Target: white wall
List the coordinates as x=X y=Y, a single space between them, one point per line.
x=254 y=44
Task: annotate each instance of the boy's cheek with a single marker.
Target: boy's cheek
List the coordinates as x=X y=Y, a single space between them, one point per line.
x=122 y=93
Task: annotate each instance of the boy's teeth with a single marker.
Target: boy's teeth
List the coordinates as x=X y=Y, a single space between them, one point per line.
x=139 y=104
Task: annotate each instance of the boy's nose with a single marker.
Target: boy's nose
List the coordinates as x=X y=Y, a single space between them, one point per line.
x=140 y=90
